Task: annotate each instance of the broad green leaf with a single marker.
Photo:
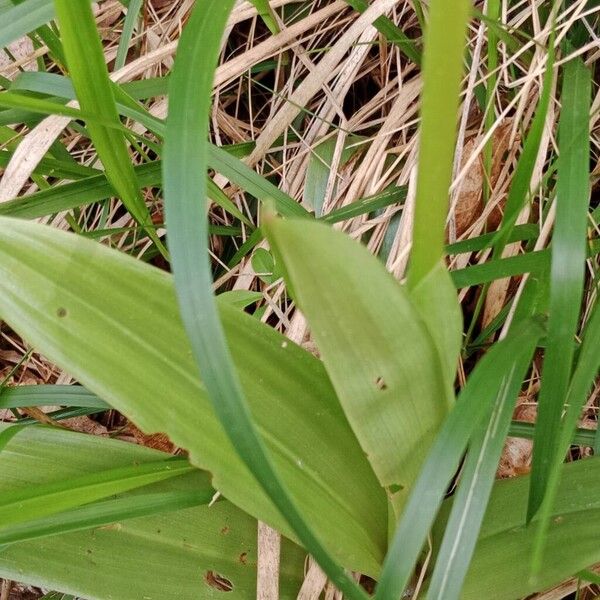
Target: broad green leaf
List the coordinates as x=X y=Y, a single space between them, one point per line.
x=377 y=350
x=111 y=321
x=154 y=555
x=435 y=298
x=40 y=458
x=189 y=554
x=85 y=58
x=442 y=70
x=567 y=273
x=506 y=541
x=482 y=390
x=186 y=157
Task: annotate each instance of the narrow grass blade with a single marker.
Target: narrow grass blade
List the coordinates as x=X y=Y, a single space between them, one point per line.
x=19 y=20
x=85 y=58
x=185 y=165
x=442 y=70
x=482 y=390
x=520 y=185
x=506 y=540
x=392 y=32
x=42 y=500
x=567 y=273
x=133 y=14
x=188 y=491
x=266 y=13
x=476 y=481
x=365 y=206
x=49 y=395
x=584 y=374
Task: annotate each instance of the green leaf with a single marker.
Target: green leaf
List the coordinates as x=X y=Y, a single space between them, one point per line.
x=376 y=348
x=154 y=554
x=584 y=374
x=520 y=185
x=567 y=273
x=85 y=58
x=393 y=33
x=49 y=395
x=572 y=542
x=41 y=458
x=442 y=70
x=186 y=156
x=476 y=480
x=364 y=206
x=434 y=297
x=19 y=20
x=483 y=387
x=133 y=14
x=111 y=321
x=43 y=500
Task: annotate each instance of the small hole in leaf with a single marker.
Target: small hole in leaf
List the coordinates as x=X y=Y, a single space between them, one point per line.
x=380 y=383
x=61 y=312
x=395 y=488
x=218 y=582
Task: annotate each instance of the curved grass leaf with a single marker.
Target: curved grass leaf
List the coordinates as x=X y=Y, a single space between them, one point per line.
x=567 y=273
x=133 y=14
x=46 y=499
x=377 y=350
x=391 y=31
x=112 y=322
x=185 y=165
x=482 y=389
x=85 y=58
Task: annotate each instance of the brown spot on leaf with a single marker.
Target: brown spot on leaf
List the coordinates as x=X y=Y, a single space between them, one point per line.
x=218 y=582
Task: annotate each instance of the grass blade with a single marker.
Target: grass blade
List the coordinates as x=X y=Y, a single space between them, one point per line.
x=133 y=14
x=444 y=458
x=583 y=378
x=442 y=69
x=391 y=31
x=185 y=165
x=42 y=500
x=19 y=20
x=49 y=395
x=85 y=58
x=476 y=482
x=567 y=273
